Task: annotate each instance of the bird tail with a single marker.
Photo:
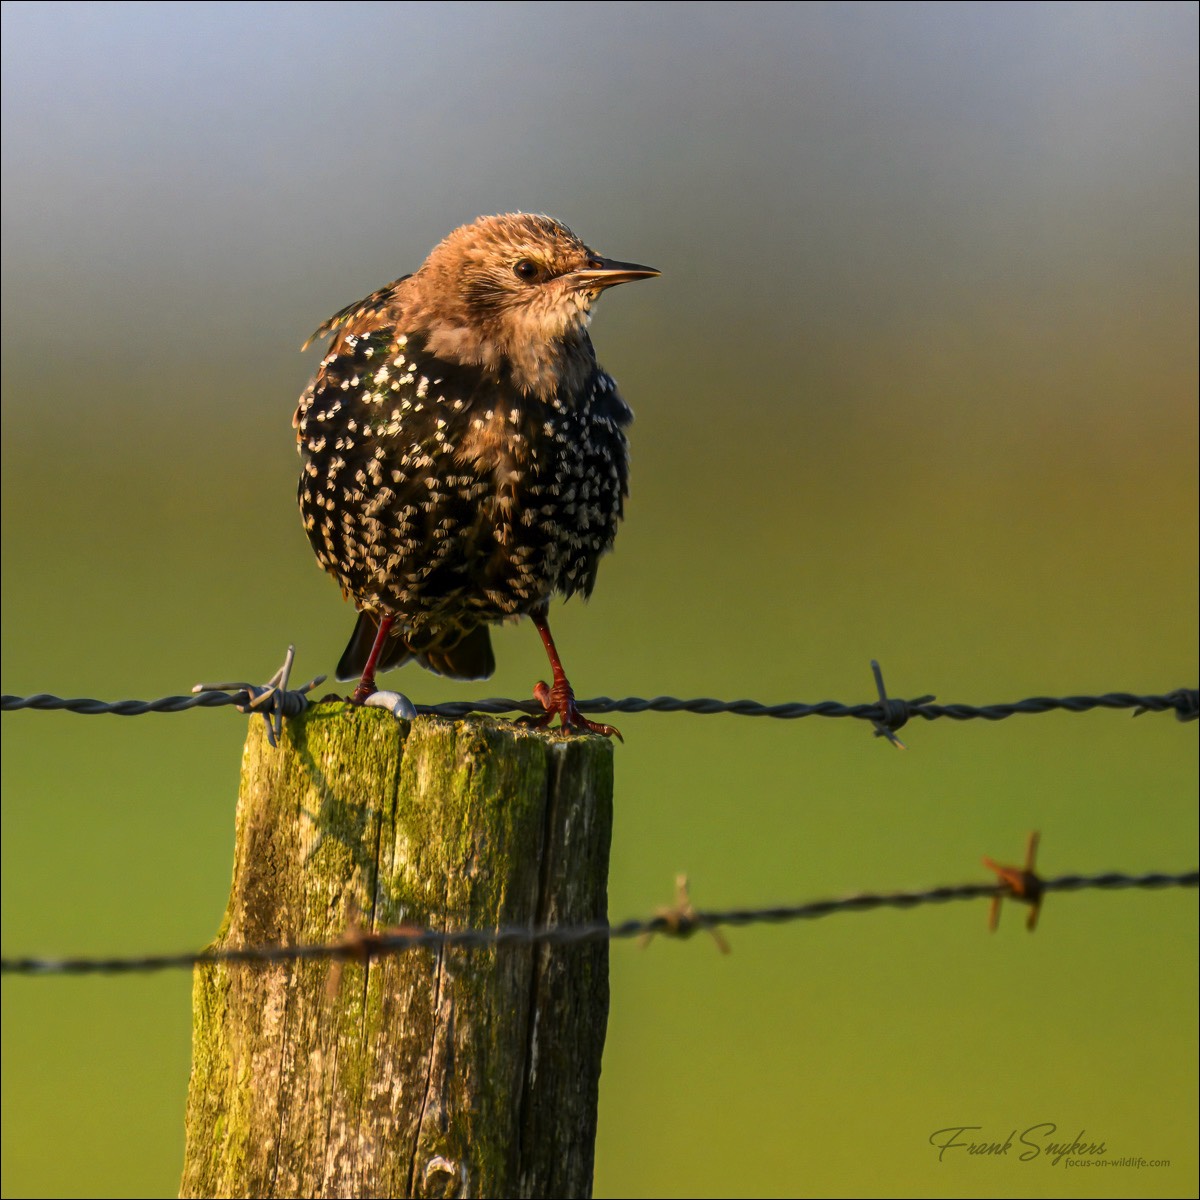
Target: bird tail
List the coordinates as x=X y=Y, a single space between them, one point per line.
x=451 y=652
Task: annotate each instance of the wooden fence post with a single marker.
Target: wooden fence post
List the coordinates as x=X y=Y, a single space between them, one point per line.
x=450 y=1072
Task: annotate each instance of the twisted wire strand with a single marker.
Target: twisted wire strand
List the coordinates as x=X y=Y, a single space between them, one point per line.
x=1184 y=702
x=668 y=923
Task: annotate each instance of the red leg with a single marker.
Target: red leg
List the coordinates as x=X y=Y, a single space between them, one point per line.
x=559 y=698
x=366 y=685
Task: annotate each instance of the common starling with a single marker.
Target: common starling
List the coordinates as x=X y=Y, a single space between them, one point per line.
x=464 y=454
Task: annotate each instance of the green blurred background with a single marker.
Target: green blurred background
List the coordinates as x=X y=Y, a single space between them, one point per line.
x=918 y=383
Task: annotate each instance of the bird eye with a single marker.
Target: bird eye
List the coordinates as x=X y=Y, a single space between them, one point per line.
x=526 y=269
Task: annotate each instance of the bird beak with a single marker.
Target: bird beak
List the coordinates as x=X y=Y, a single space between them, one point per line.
x=603 y=273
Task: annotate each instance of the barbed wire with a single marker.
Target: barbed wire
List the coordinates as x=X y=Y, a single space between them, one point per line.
x=887 y=714
x=1183 y=702
x=681 y=921
x=274 y=701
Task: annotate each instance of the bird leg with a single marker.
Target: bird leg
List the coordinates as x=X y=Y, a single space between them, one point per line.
x=558 y=697
x=366 y=685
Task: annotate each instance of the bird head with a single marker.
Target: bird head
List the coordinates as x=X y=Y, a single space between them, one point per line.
x=513 y=291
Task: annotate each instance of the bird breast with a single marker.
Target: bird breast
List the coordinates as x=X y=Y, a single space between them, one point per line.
x=429 y=482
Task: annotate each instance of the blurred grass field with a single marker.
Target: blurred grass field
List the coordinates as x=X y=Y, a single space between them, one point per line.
x=918 y=383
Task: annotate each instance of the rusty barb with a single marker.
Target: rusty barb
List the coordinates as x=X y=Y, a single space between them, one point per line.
x=682 y=920
x=1020 y=883
x=361 y=944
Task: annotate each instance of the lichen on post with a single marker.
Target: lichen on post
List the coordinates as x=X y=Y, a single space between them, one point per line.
x=432 y=1072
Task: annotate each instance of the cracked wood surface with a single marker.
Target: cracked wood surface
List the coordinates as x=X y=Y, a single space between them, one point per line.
x=461 y=1072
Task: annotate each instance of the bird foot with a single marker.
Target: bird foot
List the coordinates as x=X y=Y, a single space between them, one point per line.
x=560 y=700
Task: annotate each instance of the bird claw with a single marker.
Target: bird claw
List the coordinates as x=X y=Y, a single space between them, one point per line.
x=560 y=700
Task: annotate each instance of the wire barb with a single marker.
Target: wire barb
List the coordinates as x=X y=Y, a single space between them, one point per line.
x=894 y=714
x=682 y=920
x=1019 y=883
x=1185 y=702
x=272 y=700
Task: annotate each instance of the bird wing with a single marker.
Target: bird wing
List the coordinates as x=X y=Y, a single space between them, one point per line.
x=374 y=303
